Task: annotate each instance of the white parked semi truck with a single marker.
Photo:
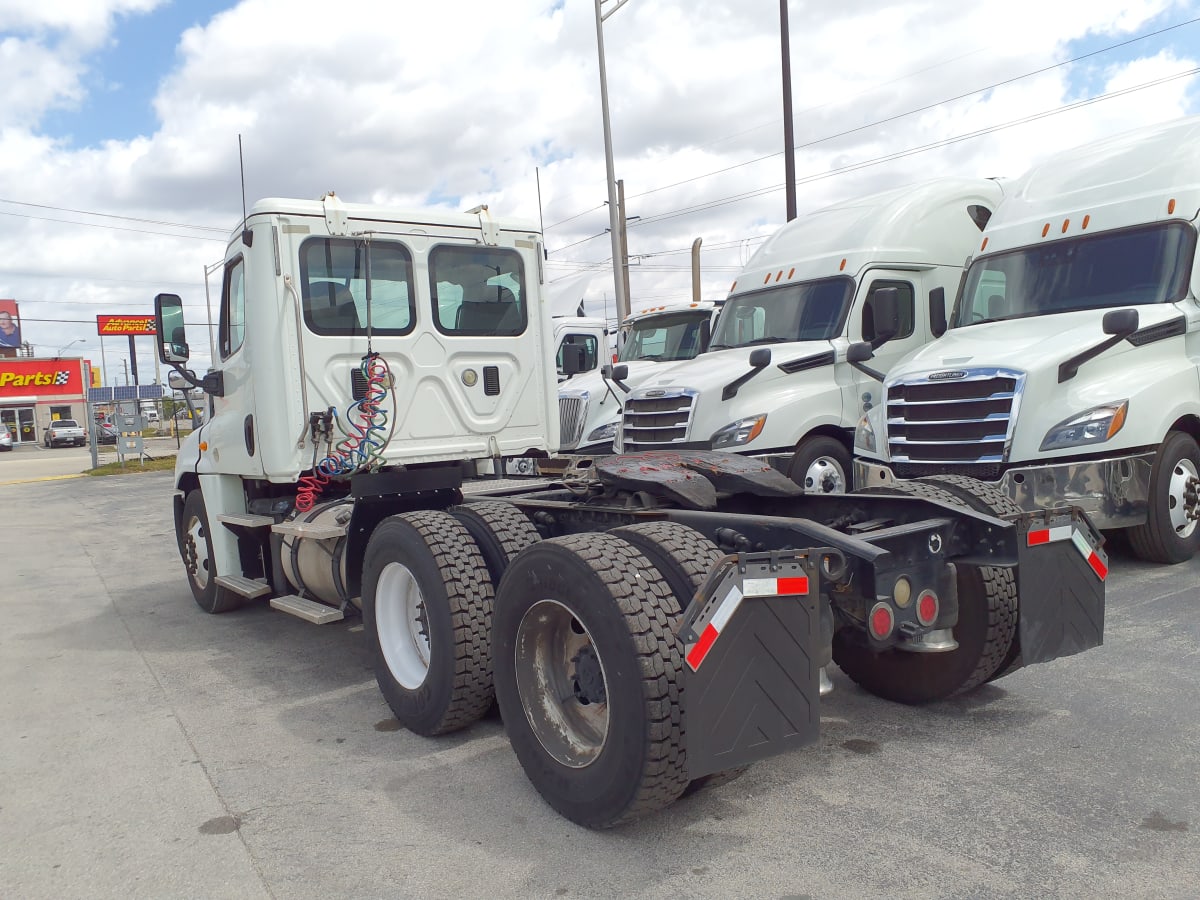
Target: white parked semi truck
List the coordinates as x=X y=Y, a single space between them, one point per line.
x=775 y=382
x=1069 y=371
x=589 y=406
x=646 y=624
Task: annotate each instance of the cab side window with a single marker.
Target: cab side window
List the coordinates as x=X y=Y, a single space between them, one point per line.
x=232 y=327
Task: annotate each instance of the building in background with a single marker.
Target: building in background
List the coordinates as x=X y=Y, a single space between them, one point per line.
x=35 y=392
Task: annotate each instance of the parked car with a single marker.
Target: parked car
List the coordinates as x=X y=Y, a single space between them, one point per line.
x=6 y=438
x=64 y=431
x=106 y=433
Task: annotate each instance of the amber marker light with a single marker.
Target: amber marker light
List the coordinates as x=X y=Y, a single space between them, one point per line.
x=1118 y=419
x=1045 y=229
x=203 y=445
x=1171 y=206
x=1086 y=221
x=842 y=267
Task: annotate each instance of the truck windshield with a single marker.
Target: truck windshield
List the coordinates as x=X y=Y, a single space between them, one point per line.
x=670 y=336
x=1129 y=267
x=806 y=311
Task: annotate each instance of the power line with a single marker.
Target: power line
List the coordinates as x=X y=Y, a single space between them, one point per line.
x=87 y=212
x=190 y=237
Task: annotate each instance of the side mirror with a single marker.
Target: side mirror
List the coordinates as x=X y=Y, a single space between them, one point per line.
x=859 y=352
x=168 y=325
x=620 y=373
x=937 y=312
x=573 y=359
x=1123 y=322
x=884 y=307
x=178 y=381
x=857 y=355
x=760 y=357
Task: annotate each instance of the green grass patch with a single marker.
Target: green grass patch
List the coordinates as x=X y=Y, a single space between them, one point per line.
x=134 y=466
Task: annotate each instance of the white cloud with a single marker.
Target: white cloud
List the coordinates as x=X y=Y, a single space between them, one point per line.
x=470 y=102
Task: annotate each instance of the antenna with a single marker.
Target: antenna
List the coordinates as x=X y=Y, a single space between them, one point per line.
x=247 y=234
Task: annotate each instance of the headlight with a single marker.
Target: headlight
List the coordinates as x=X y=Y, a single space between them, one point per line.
x=1095 y=426
x=864 y=435
x=743 y=431
x=604 y=432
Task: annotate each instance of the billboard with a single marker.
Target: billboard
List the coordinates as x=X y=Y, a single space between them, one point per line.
x=41 y=378
x=10 y=324
x=106 y=326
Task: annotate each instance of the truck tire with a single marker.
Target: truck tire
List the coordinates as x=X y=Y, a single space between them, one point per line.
x=986 y=630
x=195 y=545
x=427 y=611
x=684 y=557
x=978 y=495
x=589 y=678
x=821 y=465
x=1168 y=535
x=500 y=530
x=982 y=497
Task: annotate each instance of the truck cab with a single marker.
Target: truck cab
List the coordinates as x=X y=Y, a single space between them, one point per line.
x=1068 y=374
x=352 y=337
x=590 y=405
x=775 y=382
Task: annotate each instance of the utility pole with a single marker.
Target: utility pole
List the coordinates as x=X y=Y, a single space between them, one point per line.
x=789 y=142
x=624 y=245
x=615 y=211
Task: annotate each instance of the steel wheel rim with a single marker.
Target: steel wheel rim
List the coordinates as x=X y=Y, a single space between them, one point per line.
x=197 y=548
x=570 y=727
x=402 y=625
x=824 y=476
x=1183 y=472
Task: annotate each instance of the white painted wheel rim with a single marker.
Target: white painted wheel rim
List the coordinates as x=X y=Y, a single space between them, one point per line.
x=824 y=475
x=403 y=637
x=197 y=545
x=1181 y=476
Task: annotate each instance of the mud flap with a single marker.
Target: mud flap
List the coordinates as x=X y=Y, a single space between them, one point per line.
x=1060 y=579
x=752 y=639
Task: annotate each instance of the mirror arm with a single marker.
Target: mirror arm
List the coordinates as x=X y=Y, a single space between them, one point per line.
x=730 y=390
x=1070 y=368
x=867 y=370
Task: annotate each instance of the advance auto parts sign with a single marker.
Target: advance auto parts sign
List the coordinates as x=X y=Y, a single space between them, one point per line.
x=46 y=377
x=135 y=325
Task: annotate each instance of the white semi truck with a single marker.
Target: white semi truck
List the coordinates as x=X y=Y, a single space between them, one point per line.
x=1069 y=371
x=646 y=624
x=589 y=405
x=775 y=382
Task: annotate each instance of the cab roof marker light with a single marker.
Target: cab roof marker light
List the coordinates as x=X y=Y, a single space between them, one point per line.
x=1171 y=206
x=1066 y=224
x=767 y=280
x=778 y=276
x=1045 y=229
x=791 y=272
x=1086 y=220
x=842 y=267
x=983 y=246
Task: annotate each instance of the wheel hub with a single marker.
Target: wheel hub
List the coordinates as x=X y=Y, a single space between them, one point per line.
x=589 y=677
x=1182 y=498
x=824 y=476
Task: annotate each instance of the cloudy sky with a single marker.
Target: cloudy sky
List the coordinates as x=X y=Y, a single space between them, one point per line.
x=120 y=121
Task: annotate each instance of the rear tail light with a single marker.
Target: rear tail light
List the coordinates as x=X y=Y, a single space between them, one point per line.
x=881 y=621
x=927 y=608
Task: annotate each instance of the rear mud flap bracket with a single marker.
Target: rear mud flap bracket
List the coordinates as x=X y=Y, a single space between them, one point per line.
x=751 y=639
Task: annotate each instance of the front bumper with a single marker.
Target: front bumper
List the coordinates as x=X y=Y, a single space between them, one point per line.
x=1113 y=492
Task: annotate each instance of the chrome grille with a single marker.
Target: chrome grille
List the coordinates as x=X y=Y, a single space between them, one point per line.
x=656 y=418
x=572 y=416
x=963 y=419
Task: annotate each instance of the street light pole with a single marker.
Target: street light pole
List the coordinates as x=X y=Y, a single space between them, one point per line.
x=789 y=143
x=614 y=210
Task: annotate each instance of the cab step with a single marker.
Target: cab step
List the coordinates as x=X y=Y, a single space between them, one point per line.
x=242 y=586
x=246 y=520
x=309 y=610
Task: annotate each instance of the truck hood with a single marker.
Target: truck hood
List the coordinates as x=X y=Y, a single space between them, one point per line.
x=1032 y=344
x=717 y=368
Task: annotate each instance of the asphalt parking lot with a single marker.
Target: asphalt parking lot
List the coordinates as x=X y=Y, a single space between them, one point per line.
x=149 y=750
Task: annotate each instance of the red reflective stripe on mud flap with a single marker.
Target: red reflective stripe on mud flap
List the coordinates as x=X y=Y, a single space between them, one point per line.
x=700 y=650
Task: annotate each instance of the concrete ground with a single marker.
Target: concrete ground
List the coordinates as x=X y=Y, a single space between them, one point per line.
x=149 y=750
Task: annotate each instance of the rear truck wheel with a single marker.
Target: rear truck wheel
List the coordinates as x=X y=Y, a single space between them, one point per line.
x=684 y=557
x=985 y=632
x=427 y=609
x=589 y=678
x=195 y=545
x=1168 y=535
x=821 y=465
x=500 y=530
